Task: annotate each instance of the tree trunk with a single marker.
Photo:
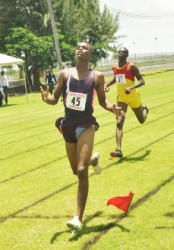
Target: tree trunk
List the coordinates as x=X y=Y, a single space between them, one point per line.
x=36 y=79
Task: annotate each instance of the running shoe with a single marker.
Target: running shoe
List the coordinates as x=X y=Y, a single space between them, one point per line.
x=74 y=224
x=97 y=169
x=117 y=153
x=145 y=107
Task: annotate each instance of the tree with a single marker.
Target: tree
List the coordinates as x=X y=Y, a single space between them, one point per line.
x=37 y=51
x=25 y=29
x=65 y=16
x=85 y=19
x=25 y=13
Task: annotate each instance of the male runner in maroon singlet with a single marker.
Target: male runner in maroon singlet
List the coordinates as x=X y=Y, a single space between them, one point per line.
x=78 y=86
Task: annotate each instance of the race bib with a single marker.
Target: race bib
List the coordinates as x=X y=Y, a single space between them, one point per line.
x=76 y=101
x=120 y=79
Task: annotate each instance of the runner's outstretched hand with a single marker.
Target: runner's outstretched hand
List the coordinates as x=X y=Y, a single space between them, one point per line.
x=44 y=93
x=106 y=88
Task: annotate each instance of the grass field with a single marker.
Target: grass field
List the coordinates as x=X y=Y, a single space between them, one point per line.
x=38 y=190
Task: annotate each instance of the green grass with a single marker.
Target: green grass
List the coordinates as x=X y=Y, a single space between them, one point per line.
x=38 y=190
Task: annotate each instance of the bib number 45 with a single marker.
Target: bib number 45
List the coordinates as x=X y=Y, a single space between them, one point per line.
x=76 y=101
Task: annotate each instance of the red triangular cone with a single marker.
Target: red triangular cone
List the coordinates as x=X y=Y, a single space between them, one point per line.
x=122 y=202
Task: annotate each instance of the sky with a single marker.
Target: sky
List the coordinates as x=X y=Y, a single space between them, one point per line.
x=145 y=35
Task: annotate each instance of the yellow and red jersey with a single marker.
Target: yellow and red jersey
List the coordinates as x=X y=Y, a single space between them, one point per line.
x=124 y=77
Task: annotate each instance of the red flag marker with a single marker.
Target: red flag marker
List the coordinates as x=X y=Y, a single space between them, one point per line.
x=122 y=202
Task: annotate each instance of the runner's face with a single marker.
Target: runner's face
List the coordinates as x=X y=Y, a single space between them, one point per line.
x=83 y=50
x=122 y=53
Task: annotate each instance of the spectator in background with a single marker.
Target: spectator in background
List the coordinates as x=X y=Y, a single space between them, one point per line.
x=3 y=88
x=50 y=80
x=1 y=95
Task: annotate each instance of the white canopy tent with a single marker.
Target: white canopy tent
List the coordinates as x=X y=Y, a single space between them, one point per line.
x=6 y=60
x=9 y=60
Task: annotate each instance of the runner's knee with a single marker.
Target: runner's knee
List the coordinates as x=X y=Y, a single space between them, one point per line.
x=82 y=172
x=120 y=122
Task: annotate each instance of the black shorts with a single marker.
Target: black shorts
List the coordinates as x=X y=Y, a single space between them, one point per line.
x=72 y=128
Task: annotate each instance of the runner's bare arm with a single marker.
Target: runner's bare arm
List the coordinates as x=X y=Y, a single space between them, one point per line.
x=53 y=99
x=107 y=85
x=138 y=76
x=99 y=80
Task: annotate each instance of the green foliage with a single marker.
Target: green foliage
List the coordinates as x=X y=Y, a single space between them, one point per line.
x=27 y=33
x=25 y=13
x=85 y=19
x=25 y=29
x=37 y=51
